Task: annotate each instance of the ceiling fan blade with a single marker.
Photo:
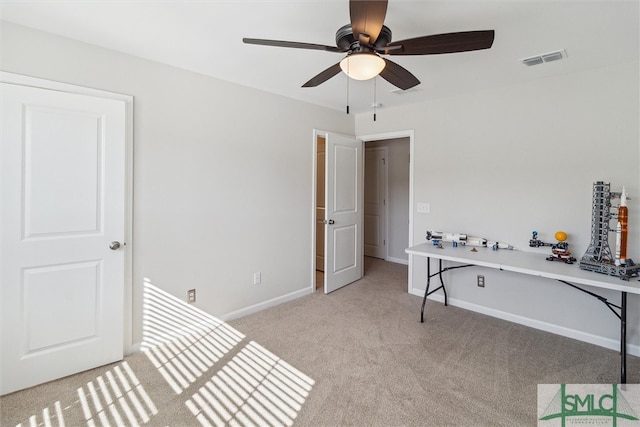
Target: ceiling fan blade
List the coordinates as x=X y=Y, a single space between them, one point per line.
x=398 y=76
x=323 y=76
x=367 y=18
x=297 y=45
x=444 y=43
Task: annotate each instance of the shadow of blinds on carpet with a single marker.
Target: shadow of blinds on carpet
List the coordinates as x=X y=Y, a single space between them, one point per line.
x=184 y=344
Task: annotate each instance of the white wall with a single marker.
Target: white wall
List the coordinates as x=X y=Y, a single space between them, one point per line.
x=223 y=177
x=398 y=189
x=502 y=163
x=222 y=173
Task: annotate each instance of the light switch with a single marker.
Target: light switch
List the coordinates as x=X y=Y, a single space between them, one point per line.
x=424 y=208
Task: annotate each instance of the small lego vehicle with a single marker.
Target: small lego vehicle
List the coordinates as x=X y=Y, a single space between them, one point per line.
x=559 y=251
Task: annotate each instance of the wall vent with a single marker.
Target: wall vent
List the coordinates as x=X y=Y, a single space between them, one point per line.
x=547 y=57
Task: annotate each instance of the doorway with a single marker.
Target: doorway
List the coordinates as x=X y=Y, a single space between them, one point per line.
x=386 y=183
x=320 y=210
x=398 y=199
x=376 y=202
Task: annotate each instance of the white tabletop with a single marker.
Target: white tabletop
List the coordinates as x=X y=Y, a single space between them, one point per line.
x=531 y=263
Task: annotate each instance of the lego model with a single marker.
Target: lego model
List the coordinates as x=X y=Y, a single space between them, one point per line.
x=621 y=230
x=462 y=239
x=598 y=257
x=560 y=250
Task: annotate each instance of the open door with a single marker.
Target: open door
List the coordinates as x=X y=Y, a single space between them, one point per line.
x=343 y=259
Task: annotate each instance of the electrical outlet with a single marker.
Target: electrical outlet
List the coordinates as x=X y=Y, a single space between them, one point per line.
x=480 y=280
x=191 y=296
x=257 y=278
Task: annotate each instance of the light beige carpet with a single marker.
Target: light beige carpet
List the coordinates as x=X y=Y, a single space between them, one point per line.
x=356 y=357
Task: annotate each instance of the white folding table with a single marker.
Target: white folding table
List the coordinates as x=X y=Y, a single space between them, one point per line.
x=534 y=264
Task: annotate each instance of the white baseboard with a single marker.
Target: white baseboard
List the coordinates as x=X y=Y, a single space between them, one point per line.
x=265 y=304
x=533 y=323
x=397 y=260
x=135 y=348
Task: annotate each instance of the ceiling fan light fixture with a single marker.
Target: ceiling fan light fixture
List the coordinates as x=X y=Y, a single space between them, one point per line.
x=362 y=66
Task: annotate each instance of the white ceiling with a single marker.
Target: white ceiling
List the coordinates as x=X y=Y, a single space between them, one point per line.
x=206 y=36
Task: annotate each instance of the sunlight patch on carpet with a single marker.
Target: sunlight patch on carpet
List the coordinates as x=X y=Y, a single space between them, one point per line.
x=116 y=398
x=182 y=341
x=255 y=388
x=49 y=417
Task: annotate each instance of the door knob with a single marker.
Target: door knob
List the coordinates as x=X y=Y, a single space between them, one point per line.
x=330 y=222
x=114 y=246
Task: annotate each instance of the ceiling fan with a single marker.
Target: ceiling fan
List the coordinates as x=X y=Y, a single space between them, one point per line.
x=366 y=38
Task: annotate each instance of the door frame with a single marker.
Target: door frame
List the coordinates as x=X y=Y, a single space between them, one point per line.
x=314 y=205
x=365 y=138
x=22 y=80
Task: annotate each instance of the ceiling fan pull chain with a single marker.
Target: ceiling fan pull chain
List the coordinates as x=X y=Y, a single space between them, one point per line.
x=375 y=102
x=348 y=78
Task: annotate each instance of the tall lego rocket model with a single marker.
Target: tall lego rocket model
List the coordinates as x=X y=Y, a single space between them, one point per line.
x=621 y=230
x=598 y=256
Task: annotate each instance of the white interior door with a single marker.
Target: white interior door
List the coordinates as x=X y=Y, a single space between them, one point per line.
x=62 y=204
x=344 y=211
x=375 y=205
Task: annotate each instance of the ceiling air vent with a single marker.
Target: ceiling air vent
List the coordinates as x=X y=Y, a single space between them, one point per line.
x=399 y=91
x=547 y=57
